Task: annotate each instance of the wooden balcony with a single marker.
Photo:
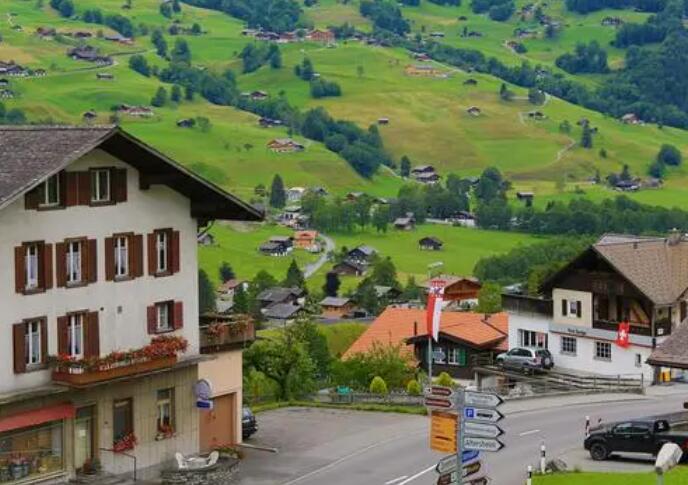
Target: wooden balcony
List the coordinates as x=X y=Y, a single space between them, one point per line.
x=662 y=327
x=83 y=377
x=220 y=332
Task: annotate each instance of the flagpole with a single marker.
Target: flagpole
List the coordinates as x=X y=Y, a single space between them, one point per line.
x=430 y=358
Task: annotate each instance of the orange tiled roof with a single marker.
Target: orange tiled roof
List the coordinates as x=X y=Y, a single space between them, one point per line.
x=395 y=325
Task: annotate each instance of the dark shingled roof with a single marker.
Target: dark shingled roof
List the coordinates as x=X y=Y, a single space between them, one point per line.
x=31 y=154
x=673 y=352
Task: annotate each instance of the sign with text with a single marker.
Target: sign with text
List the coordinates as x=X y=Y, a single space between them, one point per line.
x=448 y=463
x=443 y=431
x=482 y=444
x=482 y=399
x=482 y=415
x=482 y=430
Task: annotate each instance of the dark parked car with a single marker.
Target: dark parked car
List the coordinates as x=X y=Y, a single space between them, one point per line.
x=248 y=423
x=528 y=359
x=636 y=436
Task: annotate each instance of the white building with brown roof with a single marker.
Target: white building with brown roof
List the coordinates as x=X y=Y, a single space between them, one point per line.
x=99 y=339
x=637 y=280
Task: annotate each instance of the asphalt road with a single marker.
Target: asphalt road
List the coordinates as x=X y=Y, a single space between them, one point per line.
x=340 y=447
x=310 y=269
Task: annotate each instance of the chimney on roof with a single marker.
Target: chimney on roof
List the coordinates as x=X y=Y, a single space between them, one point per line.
x=674 y=237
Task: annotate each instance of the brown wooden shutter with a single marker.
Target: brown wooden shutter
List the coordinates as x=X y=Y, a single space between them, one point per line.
x=119 y=185
x=47 y=266
x=91 y=335
x=71 y=182
x=44 y=341
x=20 y=269
x=62 y=180
x=90 y=260
x=63 y=335
x=152 y=317
x=152 y=266
x=60 y=265
x=109 y=258
x=174 y=252
x=34 y=197
x=178 y=315
x=19 y=342
x=84 y=187
x=136 y=255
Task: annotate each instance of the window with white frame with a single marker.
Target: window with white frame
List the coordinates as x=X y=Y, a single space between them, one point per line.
x=569 y=345
x=31 y=261
x=75 y=335
x=51 y=192
x=530 y=338
x=456 y=356
x=162 y=241
x=603 y=350
x=121 y=244
x=100 y=185
x=73 y=263
x=163 y=316
x=32 y=342
x=165 y=410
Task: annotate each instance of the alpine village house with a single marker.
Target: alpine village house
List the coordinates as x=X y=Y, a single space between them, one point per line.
x=100 y=328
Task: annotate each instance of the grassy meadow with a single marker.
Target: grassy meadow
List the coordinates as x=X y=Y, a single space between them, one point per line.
x=339 y=336
x=678 y=476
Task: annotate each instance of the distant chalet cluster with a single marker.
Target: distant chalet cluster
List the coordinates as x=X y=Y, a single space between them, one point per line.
x=315 y=35
x=49 y=33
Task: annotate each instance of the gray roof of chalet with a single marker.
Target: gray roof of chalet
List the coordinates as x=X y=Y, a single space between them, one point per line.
x=334 y=301
x=278 y=294
x=31 y=154
x=282 y=311
x=365 y=249
x=673 y=352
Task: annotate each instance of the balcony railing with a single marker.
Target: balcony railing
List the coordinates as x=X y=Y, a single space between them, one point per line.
x=525 y=304
x=662 y=327
x=220 y=333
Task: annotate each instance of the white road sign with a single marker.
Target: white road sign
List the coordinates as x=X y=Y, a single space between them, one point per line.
x=482 y=430
x=482 y=399
x=482 y=444
x=482 y=414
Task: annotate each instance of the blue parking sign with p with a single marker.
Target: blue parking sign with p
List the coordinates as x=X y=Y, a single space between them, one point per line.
x=469 y=413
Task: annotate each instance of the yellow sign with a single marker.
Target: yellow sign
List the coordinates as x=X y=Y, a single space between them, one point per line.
x=443 y=427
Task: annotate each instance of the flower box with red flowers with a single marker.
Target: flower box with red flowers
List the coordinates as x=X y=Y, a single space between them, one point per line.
x=125 y=443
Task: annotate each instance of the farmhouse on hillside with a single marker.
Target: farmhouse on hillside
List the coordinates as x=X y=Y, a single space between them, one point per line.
x=349 y=268
x=456 y=288
x=430 y=243
x=284 y=145
x=406 y=223
x=474 y=111
x=277 y=246
x=362 y=254
x=307 y=240
x=526 y=197
x=424 y=70
x=335 y=307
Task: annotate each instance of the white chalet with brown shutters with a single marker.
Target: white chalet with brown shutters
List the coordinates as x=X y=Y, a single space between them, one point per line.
x=99 y=338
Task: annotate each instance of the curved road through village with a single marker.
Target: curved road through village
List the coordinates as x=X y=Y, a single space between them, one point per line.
x=340 y=447
x=310 y=269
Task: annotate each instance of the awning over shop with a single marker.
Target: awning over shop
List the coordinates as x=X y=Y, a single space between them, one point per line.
x=37 y=416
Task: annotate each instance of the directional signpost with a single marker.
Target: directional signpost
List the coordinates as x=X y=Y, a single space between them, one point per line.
x=463 y=422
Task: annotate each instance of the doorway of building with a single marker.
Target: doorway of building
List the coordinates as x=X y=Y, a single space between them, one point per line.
x=218 y=427
x=84 y=429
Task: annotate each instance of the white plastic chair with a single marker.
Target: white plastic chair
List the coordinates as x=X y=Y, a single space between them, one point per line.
x=181 y=461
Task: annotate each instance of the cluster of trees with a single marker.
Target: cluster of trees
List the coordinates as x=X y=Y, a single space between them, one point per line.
x=455 y=3
x=531 y=263
x=321 y=88
x=253 y=56
x=158 y=40
x=305 y=70
x=587 y=58
x=499 y=10
x=116 y=22
x=336 y=215
x=272 y=15
x=387 y=365
x=385 y=15
x=168 y=9
x=668 y=156
x=64 y=7
x=587 y=6
x=14 y=116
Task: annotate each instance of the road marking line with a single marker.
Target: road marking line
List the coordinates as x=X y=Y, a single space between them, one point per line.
x=396 y=480
x=353 y=455
x=417 y=475
x=532 y=431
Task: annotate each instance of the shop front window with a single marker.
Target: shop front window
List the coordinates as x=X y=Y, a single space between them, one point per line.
x=31 y=452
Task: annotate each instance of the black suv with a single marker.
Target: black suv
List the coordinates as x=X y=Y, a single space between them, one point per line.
x=248 y=423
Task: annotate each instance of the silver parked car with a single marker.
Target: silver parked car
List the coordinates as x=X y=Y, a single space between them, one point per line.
x=528 y=359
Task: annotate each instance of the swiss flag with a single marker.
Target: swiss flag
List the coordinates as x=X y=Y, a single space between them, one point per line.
x=622 y=336
x=435 y=296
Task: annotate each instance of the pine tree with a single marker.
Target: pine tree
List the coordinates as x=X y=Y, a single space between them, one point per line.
x=294 y=278
x=332 y=284
x=176 y=94
x=206 y=293
x=586 y=137
x=176 y=6
x=226 y=272
x=241 y=303
x=405 y=166
x=159 y=42
x=278 y=196
x=160 y=98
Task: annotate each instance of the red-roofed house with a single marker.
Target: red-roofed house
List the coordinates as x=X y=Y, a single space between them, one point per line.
x=456 y=288
x=462 y=336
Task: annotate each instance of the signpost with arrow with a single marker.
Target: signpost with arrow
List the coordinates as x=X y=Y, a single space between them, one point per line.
x=473 y=417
